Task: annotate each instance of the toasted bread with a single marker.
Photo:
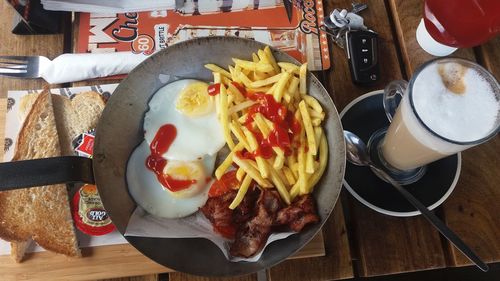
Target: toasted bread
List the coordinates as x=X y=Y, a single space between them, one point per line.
x=25 y=104
x=39 y=213
x=76 y=116
x=18 y=249
x=73 y=117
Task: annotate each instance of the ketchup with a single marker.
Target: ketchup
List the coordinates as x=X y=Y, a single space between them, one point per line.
x=156 y=163
x=462 y=23
x=175 y=185
x=213 y=89
x=240 y=87
x=285 y=128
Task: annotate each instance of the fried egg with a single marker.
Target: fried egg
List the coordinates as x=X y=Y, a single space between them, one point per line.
x=153 y=197
x=170 y=176
x=187 y=105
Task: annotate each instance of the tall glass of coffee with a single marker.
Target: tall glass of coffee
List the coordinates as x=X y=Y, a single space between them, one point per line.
x=449 y=105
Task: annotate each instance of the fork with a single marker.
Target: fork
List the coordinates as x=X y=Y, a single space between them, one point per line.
x=69 y=67
x=22 y=66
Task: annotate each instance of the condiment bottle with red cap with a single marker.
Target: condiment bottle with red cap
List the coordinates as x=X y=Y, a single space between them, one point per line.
x=451 y=24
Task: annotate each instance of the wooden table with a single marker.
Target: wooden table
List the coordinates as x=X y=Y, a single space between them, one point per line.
x=357 y=240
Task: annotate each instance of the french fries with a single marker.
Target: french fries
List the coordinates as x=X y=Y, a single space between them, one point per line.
x=241 y=192
x=308 y=126
x=302 y=77
x=289 y=154
x=267 y=81
x=264 y=172
x=218 y=69
x=314 y=104
x=240 y=173
x=228 y=161
x=253 y=66
x=290 y=67
x=238 y=96
x=249 y=168
x=271 y=59
x=224 y=116
x=280 y=86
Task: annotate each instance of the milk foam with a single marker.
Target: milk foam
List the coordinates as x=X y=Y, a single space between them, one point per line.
x=462 y=117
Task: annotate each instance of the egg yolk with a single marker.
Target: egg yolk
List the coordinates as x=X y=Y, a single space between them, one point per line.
x=194 y=100
x=188 y=176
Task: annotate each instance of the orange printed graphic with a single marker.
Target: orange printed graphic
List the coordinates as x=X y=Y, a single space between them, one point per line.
x=148 y=32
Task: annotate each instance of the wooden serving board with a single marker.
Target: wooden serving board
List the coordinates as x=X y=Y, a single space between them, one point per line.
x=102 y=262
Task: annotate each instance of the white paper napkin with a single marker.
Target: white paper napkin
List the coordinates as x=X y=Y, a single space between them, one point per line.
x=77 y=67
x=195 y=226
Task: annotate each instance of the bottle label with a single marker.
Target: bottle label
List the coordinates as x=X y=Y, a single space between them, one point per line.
x=88 y=212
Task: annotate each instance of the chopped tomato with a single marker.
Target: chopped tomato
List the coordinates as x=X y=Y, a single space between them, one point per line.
x=227 y=182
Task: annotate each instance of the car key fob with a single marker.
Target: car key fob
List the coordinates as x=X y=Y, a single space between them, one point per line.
x=362 y=53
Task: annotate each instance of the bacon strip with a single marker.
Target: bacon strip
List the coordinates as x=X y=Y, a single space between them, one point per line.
x=253 y=220
x=299 y=214
x=253 y=234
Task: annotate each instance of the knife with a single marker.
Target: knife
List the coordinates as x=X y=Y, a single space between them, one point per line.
x=289 y=9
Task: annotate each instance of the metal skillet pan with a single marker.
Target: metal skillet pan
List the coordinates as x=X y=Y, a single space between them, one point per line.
x=120 y=131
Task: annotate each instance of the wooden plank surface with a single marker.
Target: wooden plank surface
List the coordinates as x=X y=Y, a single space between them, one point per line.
x=176 y=276
x=382 y=244
x=111 y=261
x=152 y=277
x=335 y=265
x=473 y=209
x=489 y=56
x=97 y=263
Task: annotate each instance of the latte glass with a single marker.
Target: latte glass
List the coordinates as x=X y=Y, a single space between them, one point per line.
x=412 y=140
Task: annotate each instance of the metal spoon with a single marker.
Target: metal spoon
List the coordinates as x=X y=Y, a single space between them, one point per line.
x=357 y=154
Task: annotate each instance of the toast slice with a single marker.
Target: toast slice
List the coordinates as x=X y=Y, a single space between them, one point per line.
x=18 y=249
x=73 y=117
x=76 y=116
x=25 y=105
x=39 y=213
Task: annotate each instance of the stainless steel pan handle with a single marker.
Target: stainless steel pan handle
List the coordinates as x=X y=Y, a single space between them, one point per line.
x=46 y=171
